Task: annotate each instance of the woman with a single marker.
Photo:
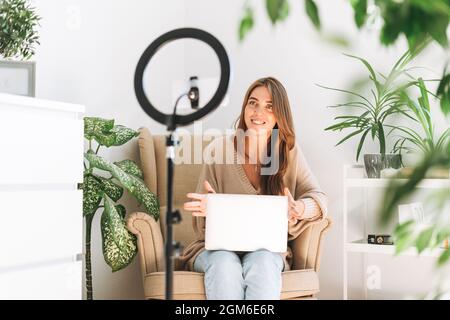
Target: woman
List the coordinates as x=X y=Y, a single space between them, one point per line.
x=254 y=275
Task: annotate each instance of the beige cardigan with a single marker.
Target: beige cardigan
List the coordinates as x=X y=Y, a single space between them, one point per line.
x=229 y=177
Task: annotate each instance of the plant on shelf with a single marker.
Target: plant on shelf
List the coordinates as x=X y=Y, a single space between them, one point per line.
x=103 y=186
x=434 y=156
x=410 y=140
x=18 y=35
x=375 y=110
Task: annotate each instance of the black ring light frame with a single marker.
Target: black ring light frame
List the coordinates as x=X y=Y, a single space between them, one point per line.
x=173 y=120
x=169 y=119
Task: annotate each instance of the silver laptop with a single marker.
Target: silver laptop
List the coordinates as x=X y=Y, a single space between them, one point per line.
x=238 y=222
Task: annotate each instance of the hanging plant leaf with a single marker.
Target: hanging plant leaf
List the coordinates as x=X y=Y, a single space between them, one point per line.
x=246 y=24
x=92 y=194
x=443 y=93
x=119 y=245
x=360 y=8
x=278 y=10
x=130 y=167
x=313 y=13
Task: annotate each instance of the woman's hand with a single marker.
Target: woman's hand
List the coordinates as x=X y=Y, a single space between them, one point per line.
x=296 y=208
x=198 y=207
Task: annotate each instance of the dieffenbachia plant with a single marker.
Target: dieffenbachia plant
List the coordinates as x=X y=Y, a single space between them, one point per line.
x=103 y=186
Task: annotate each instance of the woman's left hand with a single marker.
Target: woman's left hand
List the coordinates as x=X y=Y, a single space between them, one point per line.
x=296 y=208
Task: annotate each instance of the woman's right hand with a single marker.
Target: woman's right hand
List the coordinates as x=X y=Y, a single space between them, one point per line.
x=198 y=207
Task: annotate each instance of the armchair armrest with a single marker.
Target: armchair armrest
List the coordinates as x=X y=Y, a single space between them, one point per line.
x=306 y=247
x=149 y=240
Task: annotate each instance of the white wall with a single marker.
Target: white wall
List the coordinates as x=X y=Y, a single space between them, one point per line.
x=92 y=60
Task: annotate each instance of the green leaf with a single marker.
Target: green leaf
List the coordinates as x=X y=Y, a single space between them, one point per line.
x=313 y=13
x=113 y=191
x=246 y=24
x=92 y=194
x=381 y=137
x=123 y=134
x=134 y=185
x=443 y=92
x=119 y=245
x=277 y=10
x=105 y=139
x=370 y=69
x=130 y=167
x=404 y=236
x=404 y=228
x=96 y=126
x=443 y=258
x=349 y=136
x=424 y=238
x=438 y=29
x=361 y=142
x=404 y=243
x=121 y=210
x=360 y=8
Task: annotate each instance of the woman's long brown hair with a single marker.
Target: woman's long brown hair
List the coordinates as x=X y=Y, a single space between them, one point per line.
x=273 y=184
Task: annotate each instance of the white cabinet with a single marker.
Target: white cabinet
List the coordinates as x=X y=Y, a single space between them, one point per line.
x=357 y=223
x=41 y=164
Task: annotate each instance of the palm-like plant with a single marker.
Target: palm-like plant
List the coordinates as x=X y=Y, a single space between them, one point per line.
x=435 y=155
x=103 y=185
x=374 y=110
x=420 y=112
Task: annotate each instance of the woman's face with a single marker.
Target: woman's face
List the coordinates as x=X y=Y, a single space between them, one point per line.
x=258 y=114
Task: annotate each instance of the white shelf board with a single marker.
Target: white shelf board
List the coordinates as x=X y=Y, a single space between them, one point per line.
x=364 y=247
x=23 y=101
x=382 y=183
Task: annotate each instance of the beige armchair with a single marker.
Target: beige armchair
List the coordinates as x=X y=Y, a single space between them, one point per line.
x=299 y=283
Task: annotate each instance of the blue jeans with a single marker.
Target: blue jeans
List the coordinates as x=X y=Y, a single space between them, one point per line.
x=257 y=276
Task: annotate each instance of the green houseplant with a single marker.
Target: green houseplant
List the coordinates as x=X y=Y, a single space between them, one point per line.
x=18 y=34
x=103 y=186
x=434 y=157
x=374 y=110
x=409 y=139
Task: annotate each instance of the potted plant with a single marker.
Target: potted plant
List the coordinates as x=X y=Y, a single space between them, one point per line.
x=413 y=142
x=374 y=110
x=103 y=186
x=18 y=38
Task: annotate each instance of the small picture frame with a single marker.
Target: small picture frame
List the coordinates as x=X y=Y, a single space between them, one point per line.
x=411 y=211
x=18 y=77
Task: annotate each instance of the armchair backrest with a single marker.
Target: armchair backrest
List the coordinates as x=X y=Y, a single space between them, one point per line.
x=154 y=164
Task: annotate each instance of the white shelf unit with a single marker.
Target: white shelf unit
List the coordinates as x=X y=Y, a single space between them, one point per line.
x=41 y=233
x=354 y=176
